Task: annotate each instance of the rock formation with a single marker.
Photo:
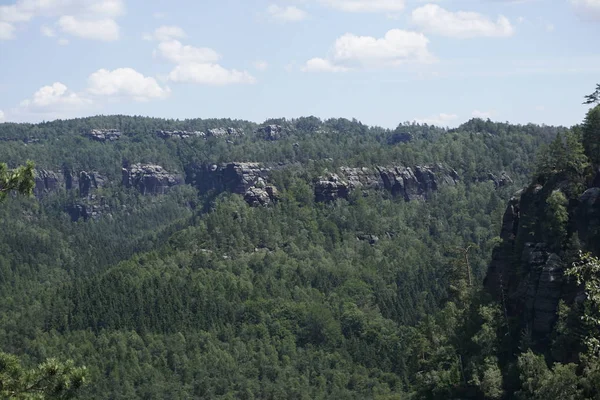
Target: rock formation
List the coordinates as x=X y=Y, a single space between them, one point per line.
x=103 y=135
x=526 y=273
x=179 y=134
x=47 y=181
x=404 y=182
x=271 y=132
x=222 y=132
x=149 y=178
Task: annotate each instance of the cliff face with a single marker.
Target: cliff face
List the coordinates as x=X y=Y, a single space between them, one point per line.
x=149 y=178
x=415 y=183
x=526 y=272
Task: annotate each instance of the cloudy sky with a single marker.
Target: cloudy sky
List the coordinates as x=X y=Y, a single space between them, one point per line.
x=380 y=61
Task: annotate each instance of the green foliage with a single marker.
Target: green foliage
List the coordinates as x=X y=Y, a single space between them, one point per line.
x=197 y=295
x=49 y=380
x=594 y=97
x=19 y=180
x=556 y=218
x=591 y=134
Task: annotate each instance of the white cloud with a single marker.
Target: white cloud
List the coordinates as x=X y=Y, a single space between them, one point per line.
x=587 y=9
x=7 y=31
x=482 y=114
x=101 y=29
x=2 y=116
x=165 y=33
x=321 y=65
x=365 y=5
x=125 y=83
x=286 y=14
x=47 y=31
x=26 y=10
x=261 y=65
x=83 y=17
x=395 y=48
x=462 y=24
x=55 y=98
x=177 y=53
x=209 y=74
x=442 y=119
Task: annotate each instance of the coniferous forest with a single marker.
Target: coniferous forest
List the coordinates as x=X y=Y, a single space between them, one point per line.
x=299 y=259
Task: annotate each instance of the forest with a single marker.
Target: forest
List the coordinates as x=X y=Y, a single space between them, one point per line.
x=299 y=259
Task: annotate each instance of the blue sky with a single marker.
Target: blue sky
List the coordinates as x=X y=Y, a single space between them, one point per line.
x=380 y=61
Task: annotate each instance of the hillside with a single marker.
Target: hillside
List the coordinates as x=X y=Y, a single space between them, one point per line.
x=290 y=259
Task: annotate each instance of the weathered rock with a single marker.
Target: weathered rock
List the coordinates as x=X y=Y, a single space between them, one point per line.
x=400 y=181
x=179 y=134
x=372 y=239
x=271 y=132
x=103 y=135
x=221 y=132
x=588 y=218
x=90 y=181
x=258 y=196
x=149 y=178
x=330 y=188
x=498 y=181
x=543 y=287
x=47 y=181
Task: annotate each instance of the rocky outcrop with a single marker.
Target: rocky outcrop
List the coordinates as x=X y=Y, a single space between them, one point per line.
x=103 y=135
x=149 y=178
x=250 y=180
x=409 y=183
x=90 y=208
x=330 y=188
x=89 y=181
x=222 y=132
x=234 y=177
x=261 y=195
x=588 y=218
x=271 y=132
x=501 y=180
x=47 y=181
x=526 y=274
x=179 y=134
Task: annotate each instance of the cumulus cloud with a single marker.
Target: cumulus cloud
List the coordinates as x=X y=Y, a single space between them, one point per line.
x=209 y=74
x=321 y=65
x=395 y=48
x=125 y=83
x=175 y=52
x=286 y=14
x=78 y=17
x=165 y=33
x=196 y=64
x=365 y=5
x=462 y=24
x=7 y=31
x=47 y=31
x=51 y=99
x=587 y=9
x=98 y=29
x=442 y=119
x=2 y=116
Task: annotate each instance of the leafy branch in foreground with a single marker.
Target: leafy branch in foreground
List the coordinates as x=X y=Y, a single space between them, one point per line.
x=50 y=380
x=20 y=179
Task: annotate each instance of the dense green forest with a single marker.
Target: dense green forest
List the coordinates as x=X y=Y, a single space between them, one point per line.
x=297 y=259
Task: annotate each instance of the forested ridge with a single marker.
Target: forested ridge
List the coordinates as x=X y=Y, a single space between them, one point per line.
x=302 y=258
